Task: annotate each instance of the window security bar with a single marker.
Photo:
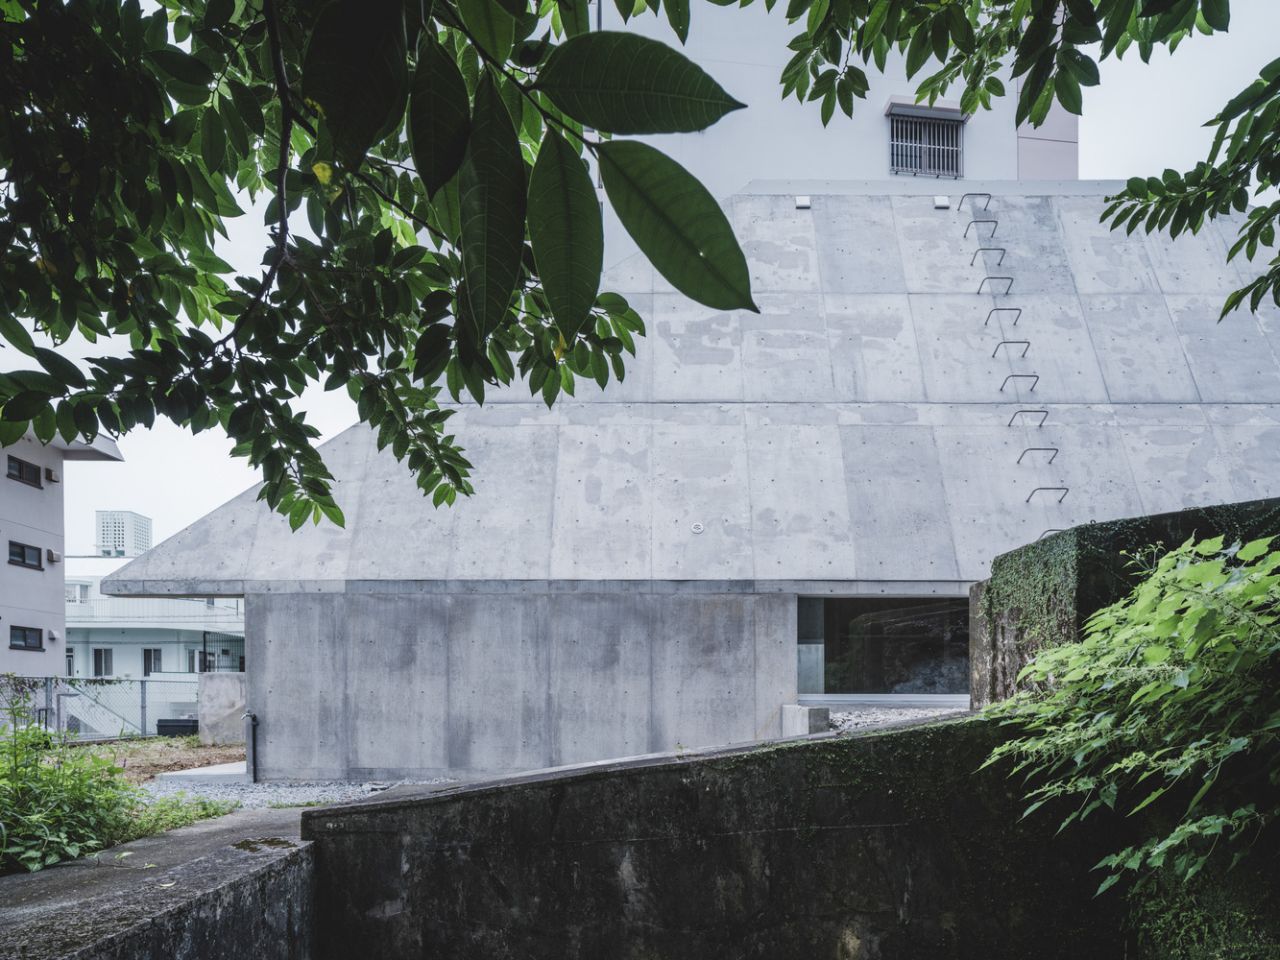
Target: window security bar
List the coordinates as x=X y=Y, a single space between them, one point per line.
x=1016 y=311
x=1008 y=284
x=974 y=196
x=1024 y=344
x=1033 y=377
x=1062 y=491
x=929 y=146
x=1052 y=451
x=999 y=263
x=1044 y=415
x=979 y=223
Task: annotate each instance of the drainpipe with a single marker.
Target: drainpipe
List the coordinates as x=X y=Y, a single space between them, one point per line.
x=251 y=745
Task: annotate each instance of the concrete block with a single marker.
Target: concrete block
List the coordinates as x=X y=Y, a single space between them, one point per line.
x=221 y=698
x=798 y=721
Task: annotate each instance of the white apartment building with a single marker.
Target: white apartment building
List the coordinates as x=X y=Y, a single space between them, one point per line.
x=157 y=639
x=121 y=533
x=32 y=596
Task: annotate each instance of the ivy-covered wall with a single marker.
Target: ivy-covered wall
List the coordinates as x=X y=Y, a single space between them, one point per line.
x=1041 y=594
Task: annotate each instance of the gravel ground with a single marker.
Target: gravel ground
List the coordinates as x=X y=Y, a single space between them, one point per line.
x=865 y=717
x=257 y=795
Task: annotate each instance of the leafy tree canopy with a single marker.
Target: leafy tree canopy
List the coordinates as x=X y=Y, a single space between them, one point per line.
x=437 y=151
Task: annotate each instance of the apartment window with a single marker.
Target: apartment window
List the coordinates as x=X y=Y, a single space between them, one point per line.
x=102 y=662
x=151 y=661
x=71 y=664
x=24 y=555
x=926 y=146
x=26 y=638
x=24 y=472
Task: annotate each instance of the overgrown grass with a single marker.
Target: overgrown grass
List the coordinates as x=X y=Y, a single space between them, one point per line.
x=58 y=802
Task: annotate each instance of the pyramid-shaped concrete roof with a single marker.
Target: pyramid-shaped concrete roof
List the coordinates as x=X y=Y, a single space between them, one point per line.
x=861 y=428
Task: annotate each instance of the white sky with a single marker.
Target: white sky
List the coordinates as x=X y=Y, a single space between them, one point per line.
x=1142 y=119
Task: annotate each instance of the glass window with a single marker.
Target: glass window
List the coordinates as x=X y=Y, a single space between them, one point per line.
x=883 y=645
x=102 y=662
x=151 y=660
x=24 y=555
x=26 y=638
x=24 y=472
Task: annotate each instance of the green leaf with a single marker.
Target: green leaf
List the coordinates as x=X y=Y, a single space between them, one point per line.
x=439 y=116
x=491 y=25
x=678 y=17
x=1068 y=91
x=355 y=71
x=492 y=203
x=16 y=334
x=575 y=16
x=566 y=231
x=1217 y=13
x=626 y=83
x=677 y=224
x=182 y=66
x=213 y=142
x=60 y=368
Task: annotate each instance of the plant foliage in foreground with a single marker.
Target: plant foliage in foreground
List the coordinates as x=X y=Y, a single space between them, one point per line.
x=59 y=802
x=1170 y=704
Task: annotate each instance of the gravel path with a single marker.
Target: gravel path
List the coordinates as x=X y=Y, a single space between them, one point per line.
x=865 y=717
x=257 y=795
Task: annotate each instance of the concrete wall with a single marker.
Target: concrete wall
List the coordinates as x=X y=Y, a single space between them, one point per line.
x=400 y=679
x=887 y=847
x=222 y=707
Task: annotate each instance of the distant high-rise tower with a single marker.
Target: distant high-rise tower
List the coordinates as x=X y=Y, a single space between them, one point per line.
x=122 y=533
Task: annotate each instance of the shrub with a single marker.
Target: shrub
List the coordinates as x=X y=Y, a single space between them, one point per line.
x=1167 y=705
x=59 y=803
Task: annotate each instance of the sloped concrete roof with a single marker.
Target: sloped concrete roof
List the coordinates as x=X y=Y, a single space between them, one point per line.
x=855 y=431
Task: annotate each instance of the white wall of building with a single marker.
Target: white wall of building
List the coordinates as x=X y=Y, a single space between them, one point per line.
x=32 y=598
x=745 y=50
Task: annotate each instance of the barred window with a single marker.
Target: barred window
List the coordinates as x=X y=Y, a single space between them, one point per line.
x=928 y=146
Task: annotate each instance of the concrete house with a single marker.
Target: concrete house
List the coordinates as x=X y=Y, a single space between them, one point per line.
x=771 y=509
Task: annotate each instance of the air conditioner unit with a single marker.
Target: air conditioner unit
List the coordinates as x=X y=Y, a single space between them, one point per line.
x=53 y=556
x=51 y=475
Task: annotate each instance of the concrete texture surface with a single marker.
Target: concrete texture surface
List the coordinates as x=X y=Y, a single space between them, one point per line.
x=860 y=411
x=237 y=886
x=877 y=846
x=221 y=708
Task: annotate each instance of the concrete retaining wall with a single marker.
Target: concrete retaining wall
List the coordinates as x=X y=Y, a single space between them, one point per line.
x=889 y=847
x=252 y=898
x=395 y=680
x=221 y=710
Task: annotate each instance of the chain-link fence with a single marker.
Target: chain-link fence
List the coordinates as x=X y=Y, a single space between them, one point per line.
x=101 y=709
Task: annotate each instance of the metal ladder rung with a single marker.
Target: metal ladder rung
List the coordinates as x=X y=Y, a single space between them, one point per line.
x=960 y=205
x=1025 y=344
x=1060 y=490
x=994 y=225
x=1044 y=415
x=999 y=263
x=1007 y=288
x=1014 y=310
x=1052 y=451
x=1033 y=377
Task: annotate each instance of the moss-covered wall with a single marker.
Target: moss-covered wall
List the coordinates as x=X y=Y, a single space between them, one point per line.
x=893 y=846
x=1042 y=594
